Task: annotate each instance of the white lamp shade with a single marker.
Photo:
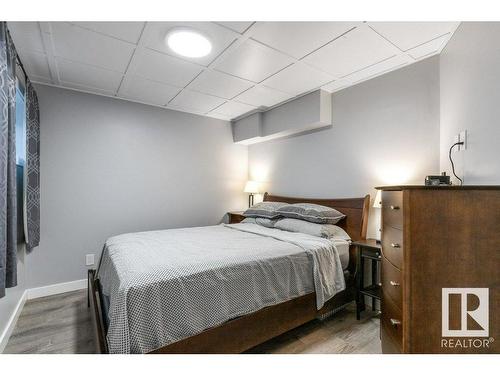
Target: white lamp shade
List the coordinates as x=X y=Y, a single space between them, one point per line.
x=252 y=187
x=377 y=203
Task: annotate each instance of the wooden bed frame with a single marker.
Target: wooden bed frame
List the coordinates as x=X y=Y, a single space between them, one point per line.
x=245 y=332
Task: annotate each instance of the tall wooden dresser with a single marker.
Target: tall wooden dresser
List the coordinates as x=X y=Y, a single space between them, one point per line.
x=435 y=239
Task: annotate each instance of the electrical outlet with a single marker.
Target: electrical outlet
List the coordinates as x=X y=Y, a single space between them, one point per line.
x=456 y=139
x=463 y=138
x=460 y=137
x=89 y=259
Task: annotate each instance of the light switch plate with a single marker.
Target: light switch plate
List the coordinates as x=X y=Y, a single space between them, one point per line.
x=89 y=259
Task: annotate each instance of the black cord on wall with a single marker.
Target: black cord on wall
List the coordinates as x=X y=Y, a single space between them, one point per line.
x=452 y=164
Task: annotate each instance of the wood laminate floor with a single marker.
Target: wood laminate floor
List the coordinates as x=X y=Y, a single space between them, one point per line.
x=62 y=324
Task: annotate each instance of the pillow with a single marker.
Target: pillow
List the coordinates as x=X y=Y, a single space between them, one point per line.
x=314 y=213
x=264 y=209
x=313 y=229
x=268 y=223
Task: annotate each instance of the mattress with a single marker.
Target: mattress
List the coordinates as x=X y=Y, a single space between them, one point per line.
x=343 y=250
x=164 y=286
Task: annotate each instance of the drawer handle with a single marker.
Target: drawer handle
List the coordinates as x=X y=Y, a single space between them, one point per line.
x=394 y=207
x=395 y=245
x=394 y=283
x=395 y=322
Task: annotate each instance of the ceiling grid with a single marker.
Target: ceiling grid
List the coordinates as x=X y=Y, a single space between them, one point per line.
x=252 y=66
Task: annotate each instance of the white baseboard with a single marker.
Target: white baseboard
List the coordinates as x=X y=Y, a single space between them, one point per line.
x=32 y=293
x=50 y=290
x=4 y=337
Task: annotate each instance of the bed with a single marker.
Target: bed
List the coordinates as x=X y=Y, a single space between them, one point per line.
x=220 y=289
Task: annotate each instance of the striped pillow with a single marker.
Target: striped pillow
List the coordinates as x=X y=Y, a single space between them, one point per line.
x=314 y=213
x=264 y=209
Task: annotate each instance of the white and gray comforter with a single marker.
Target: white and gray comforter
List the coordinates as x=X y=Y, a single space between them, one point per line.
x=164 y=286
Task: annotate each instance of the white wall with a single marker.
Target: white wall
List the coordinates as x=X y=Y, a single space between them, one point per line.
x=470 y=99
x=110 y=167
x=385 y=131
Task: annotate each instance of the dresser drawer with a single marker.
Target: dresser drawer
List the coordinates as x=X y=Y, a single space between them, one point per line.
x=392 y=208
x=392 y=283
x=391 y=322
x=392 y=245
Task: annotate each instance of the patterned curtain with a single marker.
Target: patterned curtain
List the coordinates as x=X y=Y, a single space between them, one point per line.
x=8 y=213
x=32 y=167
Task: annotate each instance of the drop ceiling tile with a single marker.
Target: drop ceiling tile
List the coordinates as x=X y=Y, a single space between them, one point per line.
x=78 y=44
x=338 y=85
x=253 y=61
x=91 y=90
x=297 y=39
x=238 y=26
x=196 y=101
x=37 y=79
x=355 y=50
x=186 y=110
x=262 y=96
x=297 y=79
x=127 y=31
x=407 y=35
x=88 y=75
x=35 y=63
x=218 y=116
x=373 y=71
x=381 y=68
x=233 y=109
x=429 y=48
x=157 y=66
x=219 y=84
x=26 y=36
x=221 y=38
x=146 y=91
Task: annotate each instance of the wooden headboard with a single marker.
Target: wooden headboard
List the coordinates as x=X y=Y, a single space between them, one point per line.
x=355 y=209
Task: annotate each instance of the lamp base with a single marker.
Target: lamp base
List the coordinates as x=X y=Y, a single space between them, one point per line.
x=250 y=200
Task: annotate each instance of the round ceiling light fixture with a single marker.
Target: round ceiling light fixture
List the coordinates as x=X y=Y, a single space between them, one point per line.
x=188 y=43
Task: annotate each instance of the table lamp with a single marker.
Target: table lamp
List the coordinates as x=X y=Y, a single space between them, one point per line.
x=251 y=187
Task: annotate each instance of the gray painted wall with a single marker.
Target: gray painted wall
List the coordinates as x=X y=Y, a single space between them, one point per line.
x=470 y=99
x=385 y=131
x=110 y=167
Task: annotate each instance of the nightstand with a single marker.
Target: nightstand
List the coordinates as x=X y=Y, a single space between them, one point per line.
x=371 y=250
x=234 y=217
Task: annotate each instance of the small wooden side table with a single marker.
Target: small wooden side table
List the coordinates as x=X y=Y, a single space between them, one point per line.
x=367 y=249
x=234 y=217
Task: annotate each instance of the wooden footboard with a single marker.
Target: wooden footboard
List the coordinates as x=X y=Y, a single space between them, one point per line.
x=245 y=332
x=234 y=336
x=96 y=311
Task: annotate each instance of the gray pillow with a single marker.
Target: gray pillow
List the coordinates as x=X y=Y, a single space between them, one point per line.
x=313 y=229
x=314 y=213
x=264 y=209
x=268 y=223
